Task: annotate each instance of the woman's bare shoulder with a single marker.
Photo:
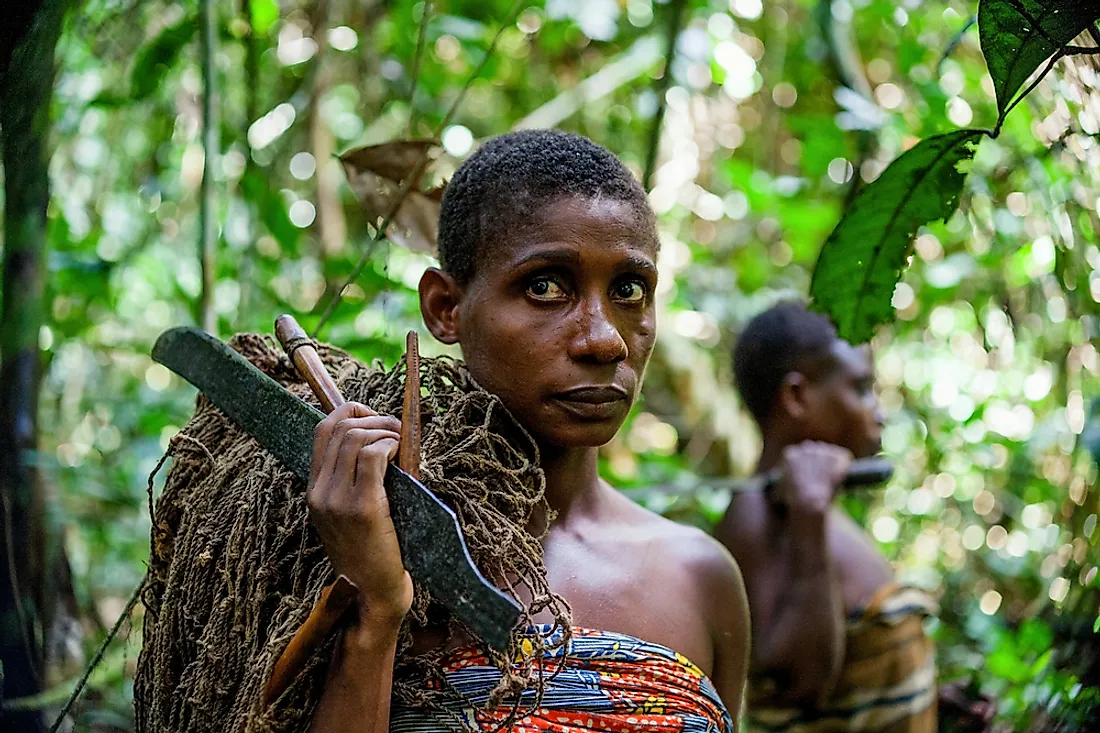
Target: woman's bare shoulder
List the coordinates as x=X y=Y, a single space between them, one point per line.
x=685 y=547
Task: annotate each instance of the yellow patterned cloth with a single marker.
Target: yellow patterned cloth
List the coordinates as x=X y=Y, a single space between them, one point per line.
x=887 y=683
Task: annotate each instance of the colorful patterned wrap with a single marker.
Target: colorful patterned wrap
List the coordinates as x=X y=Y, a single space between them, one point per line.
x=609 y=682
x=887 y=683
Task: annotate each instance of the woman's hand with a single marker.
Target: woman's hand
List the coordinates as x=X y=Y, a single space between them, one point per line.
x=347 y=501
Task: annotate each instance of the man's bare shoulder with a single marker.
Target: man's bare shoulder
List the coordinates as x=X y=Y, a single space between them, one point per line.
x=744 y=529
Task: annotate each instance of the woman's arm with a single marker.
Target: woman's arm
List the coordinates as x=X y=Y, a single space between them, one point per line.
x=347 y=502
x=357 y=693
x=728 y=614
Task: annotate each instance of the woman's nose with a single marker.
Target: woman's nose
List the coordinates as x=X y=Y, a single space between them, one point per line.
x=598 y=338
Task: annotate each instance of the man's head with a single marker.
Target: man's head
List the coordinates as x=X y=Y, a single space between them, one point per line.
x=802 y=382
x=548 y=251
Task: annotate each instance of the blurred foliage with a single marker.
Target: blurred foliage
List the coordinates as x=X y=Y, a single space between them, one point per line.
x=775 y=113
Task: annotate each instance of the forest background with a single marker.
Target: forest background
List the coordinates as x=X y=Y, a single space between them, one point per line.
x=752 y=136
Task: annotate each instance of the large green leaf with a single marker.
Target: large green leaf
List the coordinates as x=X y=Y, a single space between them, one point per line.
x=1019 y=35
x=861 y=262
x=155 y=58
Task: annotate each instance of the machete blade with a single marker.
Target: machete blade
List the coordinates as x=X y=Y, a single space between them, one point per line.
x=432 y=546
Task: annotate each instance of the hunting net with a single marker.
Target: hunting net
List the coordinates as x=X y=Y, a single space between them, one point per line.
x=236 y=565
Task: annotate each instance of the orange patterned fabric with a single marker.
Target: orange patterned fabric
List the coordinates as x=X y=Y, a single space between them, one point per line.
x=608 y=682
x=887 y=683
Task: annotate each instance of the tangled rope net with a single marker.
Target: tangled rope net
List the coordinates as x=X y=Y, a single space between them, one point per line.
x=236 y=566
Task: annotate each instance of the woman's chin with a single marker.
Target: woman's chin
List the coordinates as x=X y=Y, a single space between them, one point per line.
x=577 y=436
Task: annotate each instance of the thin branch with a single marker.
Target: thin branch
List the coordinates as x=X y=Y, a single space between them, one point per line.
x=98 y=657
x=621 y=70
x=675 y=24
x=956 y=40
x=208 y=237
x=1001 y=120
x=417 y=58
x=418 y=170
x=1081 y=51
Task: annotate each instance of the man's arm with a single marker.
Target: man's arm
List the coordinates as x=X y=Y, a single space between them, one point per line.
x=805 y=636
x=781 y=545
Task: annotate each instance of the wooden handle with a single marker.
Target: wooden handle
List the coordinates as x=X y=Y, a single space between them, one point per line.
x=299 y=348
x=408 y=452
x=335 y=600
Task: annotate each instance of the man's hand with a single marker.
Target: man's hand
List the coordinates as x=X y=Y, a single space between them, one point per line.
x=810 y=474
x=347 y=501
x=964 y=710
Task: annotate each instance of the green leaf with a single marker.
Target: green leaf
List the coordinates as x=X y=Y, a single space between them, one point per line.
x=861 y=262
x=1019 y=35
x=264 y=14
x=155 y=58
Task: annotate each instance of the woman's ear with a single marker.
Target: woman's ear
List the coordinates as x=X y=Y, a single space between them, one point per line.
x=792 y=396
x=440 y=295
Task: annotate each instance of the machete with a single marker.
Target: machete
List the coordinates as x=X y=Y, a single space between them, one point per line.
x=432 y=546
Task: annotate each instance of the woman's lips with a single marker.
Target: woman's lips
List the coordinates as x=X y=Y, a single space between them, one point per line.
x=593 y=395
x=593 y=403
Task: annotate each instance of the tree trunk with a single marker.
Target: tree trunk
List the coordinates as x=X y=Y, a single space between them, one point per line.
x=677 y=13
x=25 y=587
x=322 y=144
x=208 y=229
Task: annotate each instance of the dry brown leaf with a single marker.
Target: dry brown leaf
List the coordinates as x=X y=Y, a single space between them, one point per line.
x=375 y=174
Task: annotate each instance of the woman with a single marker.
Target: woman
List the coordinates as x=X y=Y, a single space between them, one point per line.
x=548 y=274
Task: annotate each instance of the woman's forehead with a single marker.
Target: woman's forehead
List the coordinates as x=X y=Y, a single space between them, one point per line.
x=575 y=227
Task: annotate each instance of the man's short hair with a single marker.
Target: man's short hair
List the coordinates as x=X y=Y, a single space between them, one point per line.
x=498 y=188
x=783 y=339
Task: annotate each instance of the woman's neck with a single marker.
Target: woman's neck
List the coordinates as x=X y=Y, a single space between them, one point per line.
x=572 y=479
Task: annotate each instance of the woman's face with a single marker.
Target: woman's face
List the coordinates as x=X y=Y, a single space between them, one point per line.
x=558 y=319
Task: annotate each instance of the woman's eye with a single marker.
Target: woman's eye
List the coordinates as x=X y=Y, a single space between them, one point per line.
x=630 y=291
x=544 y=288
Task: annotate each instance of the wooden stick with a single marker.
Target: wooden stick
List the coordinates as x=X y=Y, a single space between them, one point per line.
x=301 y=351
x=408 y=452
x=334 y=602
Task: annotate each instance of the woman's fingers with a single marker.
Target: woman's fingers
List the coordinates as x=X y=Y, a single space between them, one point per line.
x=340 y=435
x=353 y=422
x=371 y=460
x=323 y=432
x=355 y=441
x=347 y=503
